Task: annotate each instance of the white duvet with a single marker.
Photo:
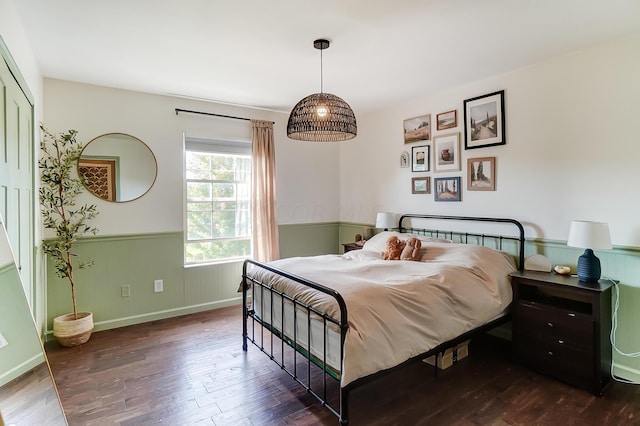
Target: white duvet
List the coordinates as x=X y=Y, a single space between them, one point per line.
x=400 y=309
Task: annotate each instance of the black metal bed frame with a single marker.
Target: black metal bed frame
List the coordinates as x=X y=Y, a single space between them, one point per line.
x=319 y=364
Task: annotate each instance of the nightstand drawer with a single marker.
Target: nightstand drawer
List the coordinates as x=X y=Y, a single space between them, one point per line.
x=554 y=324
x=566 y=362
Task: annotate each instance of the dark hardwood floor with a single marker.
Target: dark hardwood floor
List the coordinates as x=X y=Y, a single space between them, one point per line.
x=191 y=370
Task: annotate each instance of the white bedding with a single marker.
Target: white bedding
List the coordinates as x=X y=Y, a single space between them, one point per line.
x=400 y=309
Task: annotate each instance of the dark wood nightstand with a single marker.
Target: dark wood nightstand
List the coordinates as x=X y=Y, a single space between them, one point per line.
x=351 y=246
x=561 y=327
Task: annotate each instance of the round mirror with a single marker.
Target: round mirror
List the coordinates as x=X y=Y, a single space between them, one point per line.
x=117 y=167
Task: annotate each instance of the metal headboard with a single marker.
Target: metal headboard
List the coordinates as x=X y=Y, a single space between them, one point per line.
x=517 y=224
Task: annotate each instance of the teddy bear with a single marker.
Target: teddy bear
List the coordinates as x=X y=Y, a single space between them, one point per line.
x=394 y=248
x=411 y=250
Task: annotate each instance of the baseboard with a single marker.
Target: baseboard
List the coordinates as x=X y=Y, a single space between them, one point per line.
x=19 y=370
x=154 y=316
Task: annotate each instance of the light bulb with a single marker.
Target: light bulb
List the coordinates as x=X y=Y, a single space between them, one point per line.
x=322 y=111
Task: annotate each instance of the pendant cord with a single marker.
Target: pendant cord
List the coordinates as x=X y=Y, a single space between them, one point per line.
x=321 y=77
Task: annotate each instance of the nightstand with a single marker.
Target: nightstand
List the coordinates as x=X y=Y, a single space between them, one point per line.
x=561 y=327
x=351 y=246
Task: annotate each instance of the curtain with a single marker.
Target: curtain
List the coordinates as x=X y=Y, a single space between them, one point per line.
x=263 y=192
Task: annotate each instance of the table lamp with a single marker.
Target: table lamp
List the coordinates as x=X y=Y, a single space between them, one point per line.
x=385 y=220
x=589 y=235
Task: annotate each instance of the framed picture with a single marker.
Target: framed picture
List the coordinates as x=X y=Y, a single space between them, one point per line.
x=484 y=121
x=446 y=153
x=421 y=158
x=481 y=174
x=421 y=185
x=447 y=120
x=100 y=176
x=404 y=159
x=417 y=129
x=447 y=189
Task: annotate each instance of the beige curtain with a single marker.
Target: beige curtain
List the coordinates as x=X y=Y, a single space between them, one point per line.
x=263 y=199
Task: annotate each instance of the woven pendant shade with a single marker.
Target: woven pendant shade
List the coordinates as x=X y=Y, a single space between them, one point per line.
x=335 y=122
x=322 y=117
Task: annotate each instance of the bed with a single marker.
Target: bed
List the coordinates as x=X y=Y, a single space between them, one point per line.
x=330 y=321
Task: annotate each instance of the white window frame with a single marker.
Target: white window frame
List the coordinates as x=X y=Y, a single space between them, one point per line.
x=217 y=146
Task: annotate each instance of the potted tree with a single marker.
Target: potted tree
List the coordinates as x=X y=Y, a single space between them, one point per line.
x=60 y=185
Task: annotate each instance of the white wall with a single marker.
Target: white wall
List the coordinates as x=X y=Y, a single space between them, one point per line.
x=307 y=178
x=572 y=148
x=16 y=40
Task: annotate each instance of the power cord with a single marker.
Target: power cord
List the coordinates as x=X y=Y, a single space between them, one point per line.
x=614 y=327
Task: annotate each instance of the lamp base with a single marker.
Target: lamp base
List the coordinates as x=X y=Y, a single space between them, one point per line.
x=588 y=267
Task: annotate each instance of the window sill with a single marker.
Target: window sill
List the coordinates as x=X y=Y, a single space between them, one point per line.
x=215 y=262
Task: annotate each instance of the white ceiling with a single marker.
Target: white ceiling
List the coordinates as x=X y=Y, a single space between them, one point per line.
x=260 y=53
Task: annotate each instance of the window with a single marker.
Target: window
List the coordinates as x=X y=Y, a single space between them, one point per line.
x=217 y=210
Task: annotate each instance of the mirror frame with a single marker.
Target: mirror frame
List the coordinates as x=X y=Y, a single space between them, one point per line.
x=112 y=166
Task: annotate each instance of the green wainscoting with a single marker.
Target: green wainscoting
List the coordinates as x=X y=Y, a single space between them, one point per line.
x=308 y=239
x=347 y=232
x=138 y=260
x=23 y=351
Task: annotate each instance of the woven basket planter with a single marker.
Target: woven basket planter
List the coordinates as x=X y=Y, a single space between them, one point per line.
x=73 y=332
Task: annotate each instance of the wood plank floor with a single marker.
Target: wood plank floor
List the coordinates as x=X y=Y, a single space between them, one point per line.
x=30 y=399
x=191 y=370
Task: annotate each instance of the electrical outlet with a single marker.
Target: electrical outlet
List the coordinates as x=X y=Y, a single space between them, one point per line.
x=3 y=341
x=125 y=290
x=158 y=286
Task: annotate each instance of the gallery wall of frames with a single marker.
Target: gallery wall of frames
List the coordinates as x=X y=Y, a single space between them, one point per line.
x=433 y=151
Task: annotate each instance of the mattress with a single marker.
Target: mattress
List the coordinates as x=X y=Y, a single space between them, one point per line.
x=396 y=309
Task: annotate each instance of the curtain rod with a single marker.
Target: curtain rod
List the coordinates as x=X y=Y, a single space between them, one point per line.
x=178 y=110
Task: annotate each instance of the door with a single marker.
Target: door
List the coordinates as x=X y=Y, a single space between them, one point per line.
x=17 y=174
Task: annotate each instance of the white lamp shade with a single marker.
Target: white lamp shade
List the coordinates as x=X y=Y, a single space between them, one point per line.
x=386 y=220
x=586 y=234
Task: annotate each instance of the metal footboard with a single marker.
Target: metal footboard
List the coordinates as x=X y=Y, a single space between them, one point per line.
x=277 y=337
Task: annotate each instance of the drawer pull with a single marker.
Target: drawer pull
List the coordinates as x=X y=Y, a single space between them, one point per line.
x=572 y=314
x=550 y=325
x=561 y=342
x=550 y=353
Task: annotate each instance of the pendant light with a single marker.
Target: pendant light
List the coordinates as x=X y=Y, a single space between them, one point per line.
x=322 y=117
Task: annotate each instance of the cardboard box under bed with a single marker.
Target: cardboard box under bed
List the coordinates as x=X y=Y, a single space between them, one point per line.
x=450 y=356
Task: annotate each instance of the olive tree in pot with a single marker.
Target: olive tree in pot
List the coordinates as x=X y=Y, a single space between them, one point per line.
x=60 y=186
